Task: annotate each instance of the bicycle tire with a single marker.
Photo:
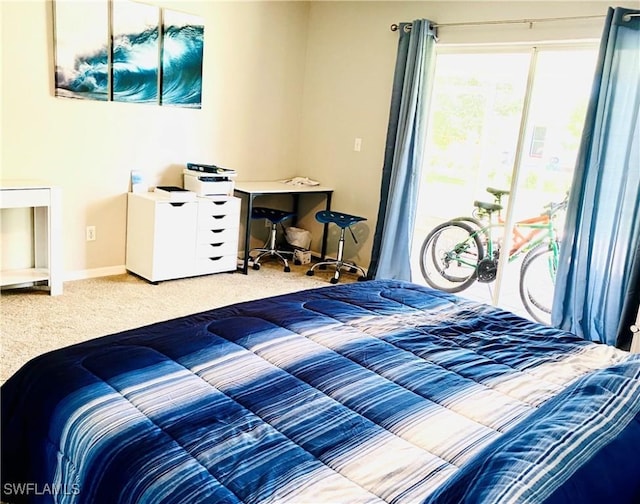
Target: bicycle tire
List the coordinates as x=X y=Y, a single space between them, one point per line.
x=537 y=281
x=478 y=227
x=449 y=256
x=471 y=221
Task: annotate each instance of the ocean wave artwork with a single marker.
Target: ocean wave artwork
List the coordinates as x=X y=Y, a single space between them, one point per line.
x=134 y=67
x=135 y=52
x=82 y=31
x=145 y=57
x=87 y=80
x=182 y=53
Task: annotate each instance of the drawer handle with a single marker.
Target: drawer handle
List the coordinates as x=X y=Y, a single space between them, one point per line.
x=216 y=244
x=218 y=216
x=179 y=204
x=219 y=202
x=217 y=230
x=215 y=258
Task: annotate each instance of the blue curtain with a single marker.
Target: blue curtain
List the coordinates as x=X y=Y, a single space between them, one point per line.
x=390 y=257
x=596 y=286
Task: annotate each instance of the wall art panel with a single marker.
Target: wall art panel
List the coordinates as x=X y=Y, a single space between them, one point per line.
x=135 y=52
x=182 y=53
x=81 y=49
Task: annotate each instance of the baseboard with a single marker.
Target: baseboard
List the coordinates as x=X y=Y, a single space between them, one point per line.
x=94 y=273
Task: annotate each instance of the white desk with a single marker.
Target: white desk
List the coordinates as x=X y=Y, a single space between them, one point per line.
x=251 y=190
x=46 y=204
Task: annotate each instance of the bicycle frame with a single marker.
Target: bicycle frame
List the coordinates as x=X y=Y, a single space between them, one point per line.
x=540 y=229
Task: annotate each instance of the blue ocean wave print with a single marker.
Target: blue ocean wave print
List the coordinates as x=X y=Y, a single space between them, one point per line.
x=87 y=79
x=182 y=54
x=134 y=69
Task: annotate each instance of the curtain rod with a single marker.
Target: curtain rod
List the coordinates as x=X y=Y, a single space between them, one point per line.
x=396 y=27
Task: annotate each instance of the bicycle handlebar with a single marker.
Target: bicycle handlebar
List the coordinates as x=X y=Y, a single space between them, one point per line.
x=552 y=208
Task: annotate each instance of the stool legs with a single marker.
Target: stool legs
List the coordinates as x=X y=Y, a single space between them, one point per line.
x=338 y=263
x=269 y=250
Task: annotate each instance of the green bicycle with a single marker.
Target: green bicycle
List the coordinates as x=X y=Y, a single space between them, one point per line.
x=459 y=252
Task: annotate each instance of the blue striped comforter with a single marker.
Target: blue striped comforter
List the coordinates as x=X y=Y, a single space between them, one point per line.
x=371 y=392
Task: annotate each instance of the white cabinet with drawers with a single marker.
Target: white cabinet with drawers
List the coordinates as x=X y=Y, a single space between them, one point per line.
x=167 y=240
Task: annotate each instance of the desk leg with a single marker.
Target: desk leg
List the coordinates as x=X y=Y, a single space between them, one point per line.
x=55 y=244
x=325 y=231
x=295 y=209
x=247 y=234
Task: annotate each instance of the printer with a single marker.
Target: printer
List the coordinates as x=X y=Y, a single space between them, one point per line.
x=209 y=180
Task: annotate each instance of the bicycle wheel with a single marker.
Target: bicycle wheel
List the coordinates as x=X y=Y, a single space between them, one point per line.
x=474 y=223
x=449 y=256
x=477 y=230
x=538 y=279
x=477 y=226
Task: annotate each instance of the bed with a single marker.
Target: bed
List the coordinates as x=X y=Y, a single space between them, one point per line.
x=380 y=391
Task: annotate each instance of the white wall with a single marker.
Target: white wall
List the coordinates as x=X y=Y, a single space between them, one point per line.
x=250 y=118
x=288 y=86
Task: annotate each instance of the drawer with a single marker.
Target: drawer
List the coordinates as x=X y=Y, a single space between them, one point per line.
x=215 y=249
x=218 y=235
x=220 y=205
x=218 y=221
x=216 y=264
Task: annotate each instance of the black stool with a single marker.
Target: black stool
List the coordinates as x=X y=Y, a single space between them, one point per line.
x=343 y=221
x=269 y=249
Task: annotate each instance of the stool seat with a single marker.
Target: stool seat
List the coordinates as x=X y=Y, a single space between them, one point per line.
x=271 y=214
x=343 y=221
x=270 y=248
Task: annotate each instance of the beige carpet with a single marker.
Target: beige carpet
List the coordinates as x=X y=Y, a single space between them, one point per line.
x=32 y=322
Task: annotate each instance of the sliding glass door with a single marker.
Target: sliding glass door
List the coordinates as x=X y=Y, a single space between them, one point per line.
x=508 y=120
